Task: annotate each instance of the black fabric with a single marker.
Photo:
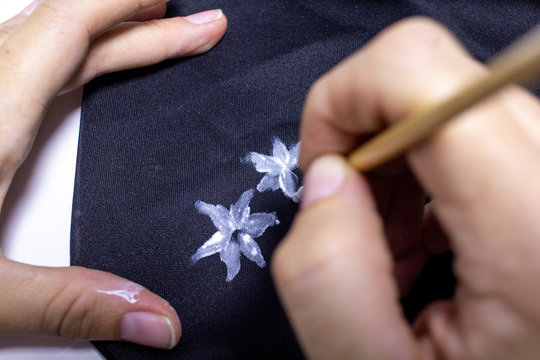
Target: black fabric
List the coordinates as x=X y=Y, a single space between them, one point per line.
x=153 y=141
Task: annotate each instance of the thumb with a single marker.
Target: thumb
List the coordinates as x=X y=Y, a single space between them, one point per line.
x=333 y=272
x=79 y=303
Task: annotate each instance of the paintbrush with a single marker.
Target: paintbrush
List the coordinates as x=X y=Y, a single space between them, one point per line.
x=517 y=64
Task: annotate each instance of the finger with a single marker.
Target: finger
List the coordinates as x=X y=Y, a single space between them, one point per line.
x=481 y=168
x=120 y=48
x=79 y=303
x=333 y=272
x=476 y=167
x=70 y=26
x=40 y=57
x=433 y=237
x=97 y=17
x=60 y=33
x=10 y=25
x=371 y=88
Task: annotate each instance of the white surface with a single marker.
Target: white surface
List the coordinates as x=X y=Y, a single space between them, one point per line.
x=35 y=222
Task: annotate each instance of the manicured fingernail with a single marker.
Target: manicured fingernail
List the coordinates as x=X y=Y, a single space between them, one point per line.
x=30 y=8
x=323 y=179
x=205 y=16
x=147 y=329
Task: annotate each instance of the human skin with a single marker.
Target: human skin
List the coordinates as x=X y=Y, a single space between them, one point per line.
x=356 y=245
x=55 y=46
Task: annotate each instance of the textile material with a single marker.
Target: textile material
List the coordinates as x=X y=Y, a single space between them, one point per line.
x=155 y=141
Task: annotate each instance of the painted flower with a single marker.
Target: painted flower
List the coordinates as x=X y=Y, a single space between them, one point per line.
x=278 y=169
x=237 y=230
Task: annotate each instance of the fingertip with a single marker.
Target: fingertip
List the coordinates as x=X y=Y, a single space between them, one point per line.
x=149 y=329
x=206 y=29
x=330 y=175
x=170 y=331
x=145 y=318
x=205 y=17
x=324 y=178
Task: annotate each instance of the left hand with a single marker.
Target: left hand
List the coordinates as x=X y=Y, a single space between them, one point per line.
x=63 y=44
x=55 y=46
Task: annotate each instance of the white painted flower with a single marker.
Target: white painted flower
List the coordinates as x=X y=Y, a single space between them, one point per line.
x=278 y=169
x=237 y=229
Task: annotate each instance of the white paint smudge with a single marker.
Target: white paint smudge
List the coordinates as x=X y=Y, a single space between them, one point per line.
x=130 y=294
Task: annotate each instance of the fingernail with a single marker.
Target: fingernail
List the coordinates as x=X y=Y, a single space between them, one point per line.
x=147 y=329
x=323 y=179
x=30 y=8
x=205 y=16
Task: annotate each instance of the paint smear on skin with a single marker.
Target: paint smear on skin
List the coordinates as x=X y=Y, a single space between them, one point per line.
x=130 y=294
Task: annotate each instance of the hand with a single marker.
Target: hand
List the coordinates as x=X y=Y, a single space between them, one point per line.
x=54 y=46
x=334 y=271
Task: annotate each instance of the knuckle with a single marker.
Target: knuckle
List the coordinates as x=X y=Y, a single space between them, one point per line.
x=428 y=60
x=62 y=15
x=417 y=34
x=72 y=313
x=424 y=45
x=57 y=317
x=320 y=112
x=320 y=97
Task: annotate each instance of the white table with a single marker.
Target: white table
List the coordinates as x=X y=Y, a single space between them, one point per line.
x=35 y=221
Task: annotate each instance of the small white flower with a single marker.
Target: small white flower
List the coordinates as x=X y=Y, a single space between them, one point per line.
x=278 y=169
x=237 y=229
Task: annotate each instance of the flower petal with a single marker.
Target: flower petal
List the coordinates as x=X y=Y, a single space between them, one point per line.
x=251 y=250
x=218 y=242
x=288 y=182
x=293 y=156
x=262 y=163
x=240 y=210
x=257 y=224
x=218 y=214
x=268 y=182
x=280 y=150
x=231 y=257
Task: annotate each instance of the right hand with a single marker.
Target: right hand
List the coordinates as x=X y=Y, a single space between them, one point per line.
x=335 y=269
